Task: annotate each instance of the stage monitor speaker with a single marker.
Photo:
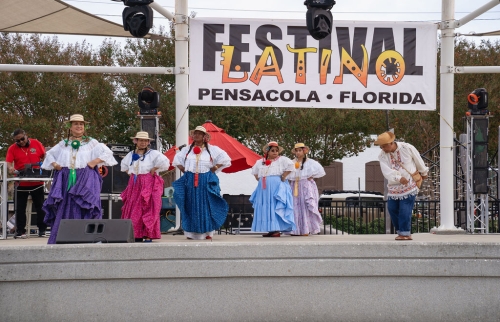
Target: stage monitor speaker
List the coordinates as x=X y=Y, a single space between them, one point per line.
x=114 y=180
x=88 y=231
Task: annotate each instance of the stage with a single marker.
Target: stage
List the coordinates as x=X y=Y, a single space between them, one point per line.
x=251 y=278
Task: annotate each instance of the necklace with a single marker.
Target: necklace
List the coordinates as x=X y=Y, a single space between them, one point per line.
x=25 y=151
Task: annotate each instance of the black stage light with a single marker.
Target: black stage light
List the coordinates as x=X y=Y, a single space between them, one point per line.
x=148 y=101
x=137 y=17
x=319 y=18
x=478 y=102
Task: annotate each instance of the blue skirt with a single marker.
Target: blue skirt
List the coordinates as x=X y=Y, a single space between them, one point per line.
x=273 y=206
x=202 y=208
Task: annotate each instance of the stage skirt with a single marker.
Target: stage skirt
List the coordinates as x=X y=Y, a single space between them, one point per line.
x=273 y=206
x=308 y=220
x=202 y=208
x=82 y=201
x=142 y=204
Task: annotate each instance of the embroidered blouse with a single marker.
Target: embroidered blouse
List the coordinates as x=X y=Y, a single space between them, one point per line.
x=390 y=164
x=205 y=163
x=276 y=168
x=63 y=153
x=312 y=169
x=152 y=159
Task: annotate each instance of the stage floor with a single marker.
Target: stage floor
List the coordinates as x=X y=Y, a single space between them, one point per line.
x=284 y=239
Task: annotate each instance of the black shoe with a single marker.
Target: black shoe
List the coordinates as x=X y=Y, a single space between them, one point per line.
x=41 y=233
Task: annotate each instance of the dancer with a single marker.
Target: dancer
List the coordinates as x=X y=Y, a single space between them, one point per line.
x=76 y=188
x=142 y=196
x=398 y=161
x=197 y=192
x=305 y=192
x=272 y=199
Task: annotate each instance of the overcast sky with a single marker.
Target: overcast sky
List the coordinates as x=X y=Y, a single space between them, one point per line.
x=360 y=10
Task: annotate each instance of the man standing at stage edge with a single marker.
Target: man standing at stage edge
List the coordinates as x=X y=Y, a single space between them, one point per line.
x=27 y=151
x=404 y=169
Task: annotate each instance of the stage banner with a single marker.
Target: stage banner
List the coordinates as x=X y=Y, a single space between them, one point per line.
x=363 y=65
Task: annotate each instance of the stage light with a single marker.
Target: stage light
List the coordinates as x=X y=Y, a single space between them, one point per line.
x=148 y=101
x=137 y=17
x=478 y=102
x=319 y=18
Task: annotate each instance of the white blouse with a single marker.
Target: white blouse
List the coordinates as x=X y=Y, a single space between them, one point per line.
x=63 y=153
x=410 y=158
x=276 y=168
x=206 y=160
x=152 y=159
x=312 y=169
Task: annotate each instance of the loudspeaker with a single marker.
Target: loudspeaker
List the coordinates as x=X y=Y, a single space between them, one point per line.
x=88 y=231
x=114 y=180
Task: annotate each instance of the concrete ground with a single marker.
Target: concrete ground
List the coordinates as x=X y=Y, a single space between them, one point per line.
x=257 y=238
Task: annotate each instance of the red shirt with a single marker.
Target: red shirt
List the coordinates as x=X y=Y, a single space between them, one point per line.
x=34 y=153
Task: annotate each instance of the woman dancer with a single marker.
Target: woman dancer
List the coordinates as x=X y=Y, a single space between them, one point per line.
x=142 y=197
x=76 y=188
x=305 y=192
x=272 y=199
x=197 y=192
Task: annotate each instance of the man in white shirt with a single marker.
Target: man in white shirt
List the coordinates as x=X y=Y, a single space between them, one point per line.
x=398 y=161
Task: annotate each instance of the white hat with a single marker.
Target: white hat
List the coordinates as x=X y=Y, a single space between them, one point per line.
x=76 y=118
x=142 y=135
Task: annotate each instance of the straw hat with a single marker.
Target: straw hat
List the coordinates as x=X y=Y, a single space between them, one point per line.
x=201 y=129
x=76 y=118
x=384 y=138
x=300 y=145
x=266 y=147
x=142 y=135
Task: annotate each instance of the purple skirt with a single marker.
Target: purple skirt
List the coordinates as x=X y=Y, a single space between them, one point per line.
x=82 y=201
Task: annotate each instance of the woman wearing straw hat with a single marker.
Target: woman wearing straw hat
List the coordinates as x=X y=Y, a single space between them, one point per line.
x=142 y=196
x=197 y=192
x=398 y=160
x=76 y=188
x=272 y=199
x=305 y=192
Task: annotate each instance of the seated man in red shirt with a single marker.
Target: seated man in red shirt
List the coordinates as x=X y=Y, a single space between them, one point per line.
x=26 y=151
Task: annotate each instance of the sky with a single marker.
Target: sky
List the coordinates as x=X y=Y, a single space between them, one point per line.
x=353 y=10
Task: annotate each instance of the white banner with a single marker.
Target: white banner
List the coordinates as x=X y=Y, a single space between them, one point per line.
x=365 y=65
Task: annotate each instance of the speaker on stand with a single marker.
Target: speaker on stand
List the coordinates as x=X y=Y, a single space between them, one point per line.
x=114 y=181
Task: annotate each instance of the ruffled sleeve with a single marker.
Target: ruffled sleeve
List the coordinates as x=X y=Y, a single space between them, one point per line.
x=256 y=166
x=51 y=156
x=160 y=161
x=101 y=151
x=180 y=157
x=125 y=164
x=286 y=164
x=220 y=157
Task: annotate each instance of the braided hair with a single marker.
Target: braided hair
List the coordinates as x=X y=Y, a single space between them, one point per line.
x=303 y=161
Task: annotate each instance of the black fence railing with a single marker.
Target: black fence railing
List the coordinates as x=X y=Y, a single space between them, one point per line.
x=365 y=217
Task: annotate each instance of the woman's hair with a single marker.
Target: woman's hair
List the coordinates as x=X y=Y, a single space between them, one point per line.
x=303 y=161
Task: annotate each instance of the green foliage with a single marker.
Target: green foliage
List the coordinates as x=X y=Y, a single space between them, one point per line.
x=40 y=102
